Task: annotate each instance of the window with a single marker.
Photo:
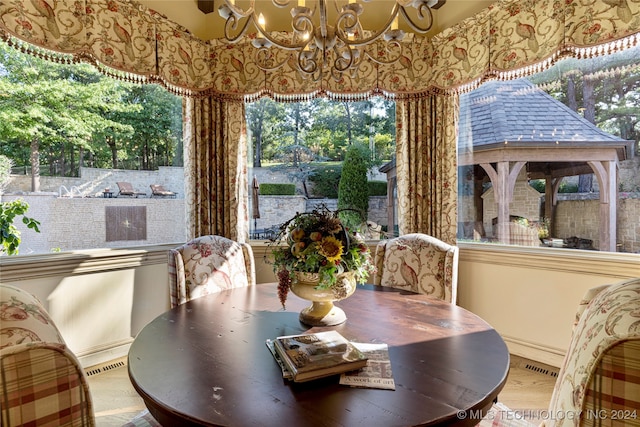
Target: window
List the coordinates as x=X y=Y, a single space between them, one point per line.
x=297 y=151
x=536 y=156
x=71 y=135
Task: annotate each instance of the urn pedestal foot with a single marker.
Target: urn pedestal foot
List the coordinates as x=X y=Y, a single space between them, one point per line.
x=322 y=314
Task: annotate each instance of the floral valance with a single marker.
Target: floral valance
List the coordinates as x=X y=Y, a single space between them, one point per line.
x=507 y=40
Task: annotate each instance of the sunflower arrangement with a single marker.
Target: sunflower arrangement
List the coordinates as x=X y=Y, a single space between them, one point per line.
x=317 y=242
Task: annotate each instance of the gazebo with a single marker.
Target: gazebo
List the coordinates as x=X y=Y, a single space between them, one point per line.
x=507 y=125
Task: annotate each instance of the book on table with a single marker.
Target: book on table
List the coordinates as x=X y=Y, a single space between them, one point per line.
x=317 y=355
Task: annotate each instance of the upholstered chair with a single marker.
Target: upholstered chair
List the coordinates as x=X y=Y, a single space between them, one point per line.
x=599 y=380
x=41 y=380
x=209 y=264
x=418 y=263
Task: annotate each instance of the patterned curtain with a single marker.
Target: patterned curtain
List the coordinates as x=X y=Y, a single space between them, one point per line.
x=426 y=160
x=215 y=163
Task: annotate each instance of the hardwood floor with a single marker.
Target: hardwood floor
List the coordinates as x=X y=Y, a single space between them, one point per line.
x=529 y=386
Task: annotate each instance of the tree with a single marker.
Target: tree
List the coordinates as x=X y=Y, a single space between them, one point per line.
x=353 y=191
x=60 y=113
x=9 y=234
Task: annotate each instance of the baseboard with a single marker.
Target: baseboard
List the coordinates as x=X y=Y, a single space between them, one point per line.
x=532 y=351
x=100 y=356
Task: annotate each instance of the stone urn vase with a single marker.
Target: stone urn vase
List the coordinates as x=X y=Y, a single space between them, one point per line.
x=322 y=312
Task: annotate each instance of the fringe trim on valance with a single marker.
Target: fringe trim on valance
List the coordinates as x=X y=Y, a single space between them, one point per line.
x=84 y=57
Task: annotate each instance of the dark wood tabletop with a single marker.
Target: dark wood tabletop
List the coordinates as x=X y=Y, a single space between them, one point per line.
x=206 y=363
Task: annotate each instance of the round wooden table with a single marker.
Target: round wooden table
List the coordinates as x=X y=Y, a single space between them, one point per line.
x=206 y=363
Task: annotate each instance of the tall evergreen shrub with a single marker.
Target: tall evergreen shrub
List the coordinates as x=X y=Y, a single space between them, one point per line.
x=353 y=191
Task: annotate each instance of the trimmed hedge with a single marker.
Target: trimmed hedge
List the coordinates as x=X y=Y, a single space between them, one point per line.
x=269 y=189
x=377 y=188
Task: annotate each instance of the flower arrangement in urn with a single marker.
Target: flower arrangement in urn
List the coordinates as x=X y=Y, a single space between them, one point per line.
x=318 y=244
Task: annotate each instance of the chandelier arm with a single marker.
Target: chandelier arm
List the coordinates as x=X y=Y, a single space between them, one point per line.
x=378 y=33
x=345 y=54
x=304 y=59
x=414 y=26
x=279 y=43
x=231 y=25
x=233 y=15
x=281 y=3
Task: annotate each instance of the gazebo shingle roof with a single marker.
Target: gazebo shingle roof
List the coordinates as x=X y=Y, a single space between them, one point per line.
x=518 y=110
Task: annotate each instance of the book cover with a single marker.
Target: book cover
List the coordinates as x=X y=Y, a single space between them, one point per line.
x=377 y=373
x=286 y=374
x=317 y=355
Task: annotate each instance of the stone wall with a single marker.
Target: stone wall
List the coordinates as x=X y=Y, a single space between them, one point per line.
x=82 y=223
x=275 y=210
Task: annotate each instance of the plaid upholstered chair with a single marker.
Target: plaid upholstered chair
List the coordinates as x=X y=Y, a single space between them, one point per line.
x=209 y=264
x=599 y=381
x=41 y=380
x=419 y=263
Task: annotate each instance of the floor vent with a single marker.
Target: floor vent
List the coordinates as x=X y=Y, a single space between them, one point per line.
x=104 y=367
x=541 y=370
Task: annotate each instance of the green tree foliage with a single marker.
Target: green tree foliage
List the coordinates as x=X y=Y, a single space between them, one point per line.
x=9 y=233
x=65 y=116
x=321 y=127
x=604 y=90
x=326 y=180
x=353 y=191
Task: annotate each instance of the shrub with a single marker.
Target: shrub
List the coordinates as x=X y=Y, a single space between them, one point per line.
x=326 y=180
x=377 y=188
x=269 y=189
x=353 y=191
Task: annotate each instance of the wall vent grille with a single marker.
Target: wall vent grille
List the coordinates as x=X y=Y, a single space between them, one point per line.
x=104 y=367
x=552 y=372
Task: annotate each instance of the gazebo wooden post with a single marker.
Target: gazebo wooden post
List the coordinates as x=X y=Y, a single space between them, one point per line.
x=606 y=173
x=503 y=181
x=503 y=198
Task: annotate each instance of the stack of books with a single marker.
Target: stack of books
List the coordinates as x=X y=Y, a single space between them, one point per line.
x=307 y=357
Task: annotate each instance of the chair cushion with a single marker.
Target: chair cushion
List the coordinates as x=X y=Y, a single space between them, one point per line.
x=41 y=380
x=206 y=265
x=596 y=368
x=418 y=264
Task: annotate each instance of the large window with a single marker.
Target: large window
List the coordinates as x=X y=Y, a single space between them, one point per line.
x=299 y=151
x=68 y=136
x=550 y=160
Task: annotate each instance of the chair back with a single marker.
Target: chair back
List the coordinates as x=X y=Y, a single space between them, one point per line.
x=125 y=187
x=418 y=263
x=599 y=380
x=209 y=264
x=41 y=380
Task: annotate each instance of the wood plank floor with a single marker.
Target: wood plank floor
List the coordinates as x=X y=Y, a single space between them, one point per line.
x=529 y=386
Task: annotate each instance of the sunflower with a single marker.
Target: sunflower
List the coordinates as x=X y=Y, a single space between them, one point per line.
x=331 y=248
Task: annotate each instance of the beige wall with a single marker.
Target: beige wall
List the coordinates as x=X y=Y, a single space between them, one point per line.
x=101 y=299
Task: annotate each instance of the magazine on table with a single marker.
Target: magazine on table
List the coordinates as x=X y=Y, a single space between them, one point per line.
x=376 y=374
x=317 y=355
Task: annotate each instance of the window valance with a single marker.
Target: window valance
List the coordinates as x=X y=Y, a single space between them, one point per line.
x=507 y=40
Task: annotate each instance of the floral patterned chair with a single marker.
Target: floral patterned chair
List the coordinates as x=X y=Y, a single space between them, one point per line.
x=418 y=263
x=41 y=380
x=209 y=264
x=599 y=381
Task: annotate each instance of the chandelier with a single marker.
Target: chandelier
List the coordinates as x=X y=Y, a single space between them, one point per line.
x=323 y=41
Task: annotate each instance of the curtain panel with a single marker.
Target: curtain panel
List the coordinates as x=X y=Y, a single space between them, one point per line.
x=426 y=161
x=215 y=164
